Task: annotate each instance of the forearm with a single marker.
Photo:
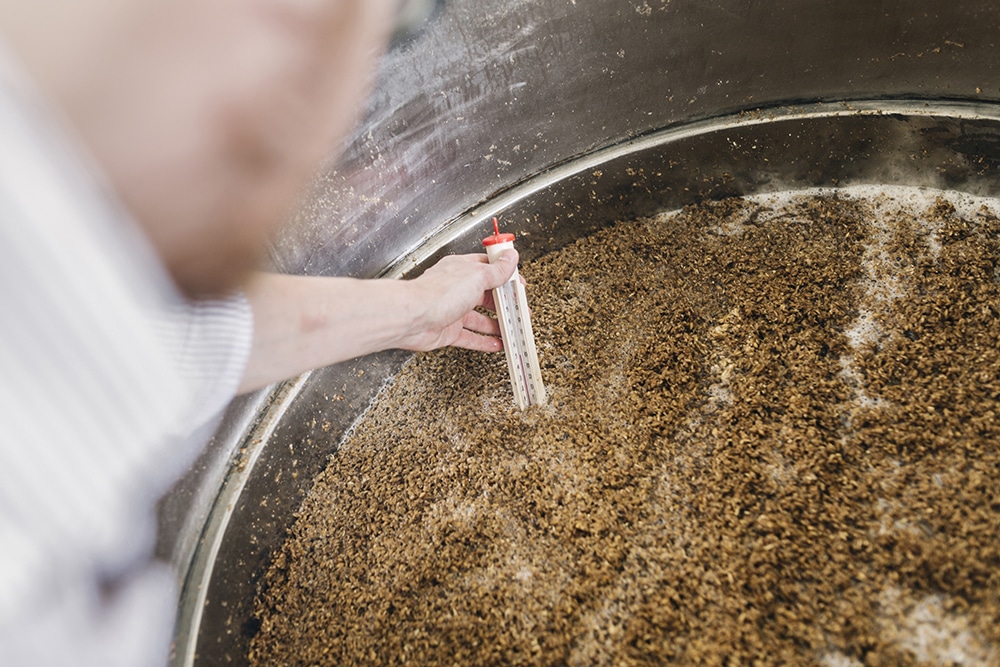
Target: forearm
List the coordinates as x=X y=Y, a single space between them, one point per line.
x=301 y=323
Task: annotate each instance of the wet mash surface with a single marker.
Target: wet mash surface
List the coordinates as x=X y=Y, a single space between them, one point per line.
x=772 y=435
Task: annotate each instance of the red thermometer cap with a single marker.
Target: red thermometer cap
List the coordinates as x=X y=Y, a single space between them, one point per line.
x=497 y=236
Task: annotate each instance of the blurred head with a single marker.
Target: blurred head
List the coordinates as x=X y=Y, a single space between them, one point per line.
x=209 y=116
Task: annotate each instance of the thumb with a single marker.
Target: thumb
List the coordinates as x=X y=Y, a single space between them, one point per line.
x=503 y=268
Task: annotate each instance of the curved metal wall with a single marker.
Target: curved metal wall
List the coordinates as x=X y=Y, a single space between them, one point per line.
x=510 y=106
x=497 y=90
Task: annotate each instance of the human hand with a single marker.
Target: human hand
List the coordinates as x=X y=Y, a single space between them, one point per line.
x=445 y=298
x=304 y=322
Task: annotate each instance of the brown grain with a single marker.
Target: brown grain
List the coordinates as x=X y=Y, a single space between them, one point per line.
x=771 y=439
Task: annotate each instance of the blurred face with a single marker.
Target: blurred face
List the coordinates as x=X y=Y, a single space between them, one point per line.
x=211 y=116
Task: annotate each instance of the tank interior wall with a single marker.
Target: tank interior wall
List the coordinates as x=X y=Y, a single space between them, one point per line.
x=562 y=117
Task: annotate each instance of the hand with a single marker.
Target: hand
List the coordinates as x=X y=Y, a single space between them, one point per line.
x=446 y=297
x=304 y=322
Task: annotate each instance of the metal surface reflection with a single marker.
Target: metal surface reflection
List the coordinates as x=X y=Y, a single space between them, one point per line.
x=562 y=117
x=496 y=91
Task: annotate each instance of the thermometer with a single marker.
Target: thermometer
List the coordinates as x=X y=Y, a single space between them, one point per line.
x=515 y=328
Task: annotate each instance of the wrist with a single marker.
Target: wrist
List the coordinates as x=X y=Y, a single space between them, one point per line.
x=412 y=313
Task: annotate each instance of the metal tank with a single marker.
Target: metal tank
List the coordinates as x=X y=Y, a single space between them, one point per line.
x=560 y=117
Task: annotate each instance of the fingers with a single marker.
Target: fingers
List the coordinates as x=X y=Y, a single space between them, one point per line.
x=479 y=333
x=481 y=324
x=452 y=289
x=478 y=342
x=498 y=274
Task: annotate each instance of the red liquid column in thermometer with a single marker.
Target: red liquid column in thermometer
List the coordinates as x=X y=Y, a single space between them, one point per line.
x=515 y=328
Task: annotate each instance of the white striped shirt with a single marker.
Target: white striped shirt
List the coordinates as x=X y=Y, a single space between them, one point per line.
x=104 y=374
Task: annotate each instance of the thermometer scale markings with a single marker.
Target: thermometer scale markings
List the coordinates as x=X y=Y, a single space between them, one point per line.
x=515 y=329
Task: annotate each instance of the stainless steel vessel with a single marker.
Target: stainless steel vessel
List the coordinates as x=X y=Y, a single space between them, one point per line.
x=561 y=117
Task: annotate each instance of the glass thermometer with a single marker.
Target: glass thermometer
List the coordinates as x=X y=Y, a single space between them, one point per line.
x=515 y=328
